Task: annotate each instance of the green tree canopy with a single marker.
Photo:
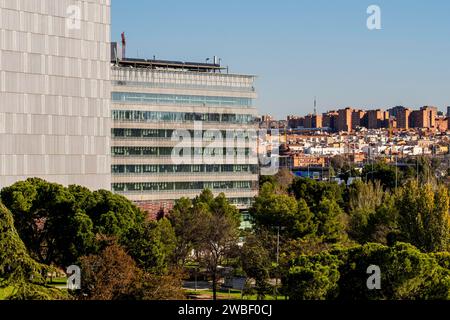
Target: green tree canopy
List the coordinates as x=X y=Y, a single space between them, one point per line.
x=59 y=224
x=406 y=274
x=372 y=212
x=152 y=246
x=312 y=277
x=383 y=173
x=272 y=210
x=17 y=269
x=256 y=263
x=423 y=217
x=313 y=192
x=341 y=273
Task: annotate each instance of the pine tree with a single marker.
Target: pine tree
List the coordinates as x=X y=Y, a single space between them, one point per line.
x=17 y=268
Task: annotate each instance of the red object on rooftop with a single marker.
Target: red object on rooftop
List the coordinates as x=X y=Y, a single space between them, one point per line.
x=124 y=45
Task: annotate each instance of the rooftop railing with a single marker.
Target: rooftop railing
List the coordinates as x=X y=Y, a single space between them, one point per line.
x=145 y=84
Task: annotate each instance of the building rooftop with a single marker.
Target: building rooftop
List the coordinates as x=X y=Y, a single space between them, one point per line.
x=168 y=64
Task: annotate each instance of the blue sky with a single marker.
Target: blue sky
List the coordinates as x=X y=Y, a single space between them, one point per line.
x=301 y=49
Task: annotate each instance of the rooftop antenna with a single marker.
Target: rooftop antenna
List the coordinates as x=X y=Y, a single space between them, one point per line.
x=124 y=45
x=115 y=55
x=315 y=105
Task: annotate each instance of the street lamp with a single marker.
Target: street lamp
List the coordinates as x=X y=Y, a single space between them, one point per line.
x=278 y=259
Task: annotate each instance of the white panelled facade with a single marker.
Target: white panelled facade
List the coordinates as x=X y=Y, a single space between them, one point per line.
x=55 y=91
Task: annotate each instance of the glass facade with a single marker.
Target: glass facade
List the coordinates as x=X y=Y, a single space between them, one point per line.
x=154 y=78
x=167 y=133
x=202 y=168
x=135 y=146
x=168 y=151
x=177 y=186
x=181 y=86
x=157 y=116
x=174 y=99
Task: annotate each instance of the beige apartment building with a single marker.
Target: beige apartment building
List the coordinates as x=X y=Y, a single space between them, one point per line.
x=345 y=120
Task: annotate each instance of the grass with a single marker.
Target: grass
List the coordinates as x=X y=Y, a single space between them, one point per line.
x=57 y=281
x=6 y=292
x=228 y=295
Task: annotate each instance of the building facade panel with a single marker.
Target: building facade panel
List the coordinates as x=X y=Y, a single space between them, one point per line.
x=55 y=91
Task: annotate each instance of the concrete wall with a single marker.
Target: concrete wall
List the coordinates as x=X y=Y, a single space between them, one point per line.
x=55 y=91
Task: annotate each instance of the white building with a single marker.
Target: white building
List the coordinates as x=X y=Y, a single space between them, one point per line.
x=55 y=91
x=325 y=150
x=151 y=100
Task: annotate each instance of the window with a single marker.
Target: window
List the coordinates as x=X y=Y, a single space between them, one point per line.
x=164 y=99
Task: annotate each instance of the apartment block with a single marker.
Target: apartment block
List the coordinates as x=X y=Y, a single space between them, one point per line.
x=403 y=118
x=330 y=120
x=377 y=119
x=313 y=121
x=424 y=118
x=357 y=118
x=345 y=120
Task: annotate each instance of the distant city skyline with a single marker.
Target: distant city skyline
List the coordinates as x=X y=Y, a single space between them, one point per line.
x=444 y=110
x=303 y=49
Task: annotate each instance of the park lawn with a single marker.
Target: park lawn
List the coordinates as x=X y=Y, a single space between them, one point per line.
x=57 y=281
x=232 y=295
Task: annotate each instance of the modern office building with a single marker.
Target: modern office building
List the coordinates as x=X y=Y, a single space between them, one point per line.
x=55 y=91
x=152 y=102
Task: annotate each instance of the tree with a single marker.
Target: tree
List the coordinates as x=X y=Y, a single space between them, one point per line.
x=312 y=278
x=151 y=286
x=218 y=235
x=341 y=273
x=382 y=172
x=42 y=212
x=256 y=263
x=113 y=275
x=186 y=221
x=330 y=221
x=109 y=275
x=58 y=224
x=271 y=211
x=314 y=191
x=152 y=246
x=423 y=217
x=372 y=213
x=406 y=274
x=337 y=163
x=113 y=214
x=18 y=269
x=422 y=169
